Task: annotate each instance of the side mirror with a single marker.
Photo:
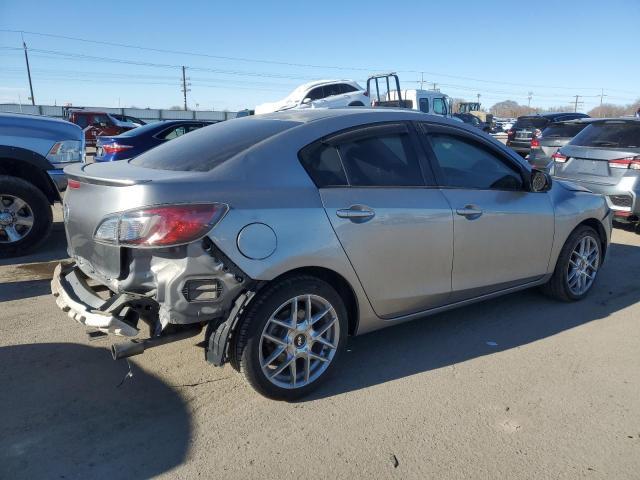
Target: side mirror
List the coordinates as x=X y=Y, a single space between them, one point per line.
x=539 y=181
x=306 y=101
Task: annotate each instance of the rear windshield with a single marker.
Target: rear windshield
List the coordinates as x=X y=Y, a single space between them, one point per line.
x=567 y=130
x=531 y=122
x=609 y=134
x=208 y=147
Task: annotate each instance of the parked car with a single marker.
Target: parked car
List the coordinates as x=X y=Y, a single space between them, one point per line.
x=605 y=158
x=33 y=151
x=473 y=121
x=266 y=230
x=545 y=143
x=519 y=137
x=95 y=123
x=320 y=94
x=134 y=142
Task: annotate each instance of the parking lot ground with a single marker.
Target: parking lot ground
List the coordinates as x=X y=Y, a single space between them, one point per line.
x=519 y=387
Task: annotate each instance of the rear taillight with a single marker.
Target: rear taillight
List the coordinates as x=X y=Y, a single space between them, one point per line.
x=559 y=158
x=115 y=148
x=73 y=184
x=365 y=93
x=160 y=226
x=535 y=143
x=510 y=133
x=632 y=163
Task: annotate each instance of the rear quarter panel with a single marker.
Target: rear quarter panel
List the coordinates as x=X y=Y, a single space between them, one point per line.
x=571 y=209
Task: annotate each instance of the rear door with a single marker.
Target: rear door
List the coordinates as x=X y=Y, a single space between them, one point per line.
x=395 y=227
x=502 y=233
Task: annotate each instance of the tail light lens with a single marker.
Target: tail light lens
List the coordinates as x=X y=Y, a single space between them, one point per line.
x=115 y=148
x=632 y=163
x=510 y=133
x=559 y=158
x=160 y=226
x=365 y=93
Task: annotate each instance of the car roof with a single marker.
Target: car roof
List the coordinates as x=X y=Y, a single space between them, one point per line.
x=317 y=83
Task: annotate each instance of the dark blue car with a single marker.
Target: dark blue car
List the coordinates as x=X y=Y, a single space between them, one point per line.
x=134 y=142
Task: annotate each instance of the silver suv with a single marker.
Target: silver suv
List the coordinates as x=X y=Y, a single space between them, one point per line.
x=283 y=234
x=605 y=158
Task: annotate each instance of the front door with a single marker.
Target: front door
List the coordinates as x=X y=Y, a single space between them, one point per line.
x=394 y=225
x=503 y=233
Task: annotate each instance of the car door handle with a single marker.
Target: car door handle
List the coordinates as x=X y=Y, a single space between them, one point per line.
x=469 y=211
x=356 y=212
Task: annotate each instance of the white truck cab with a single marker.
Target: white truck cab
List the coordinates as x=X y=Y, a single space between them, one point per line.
x=427 y=101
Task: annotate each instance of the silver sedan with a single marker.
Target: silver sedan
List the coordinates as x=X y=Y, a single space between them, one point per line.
x=283 y=234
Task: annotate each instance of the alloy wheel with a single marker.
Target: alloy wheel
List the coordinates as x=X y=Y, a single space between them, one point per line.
x=16 y=219
x=299 y=341
x=583 y=265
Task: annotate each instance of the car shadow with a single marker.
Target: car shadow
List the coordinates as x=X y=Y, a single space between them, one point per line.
x=27 y=289
x=482 y=329
x=64 y=416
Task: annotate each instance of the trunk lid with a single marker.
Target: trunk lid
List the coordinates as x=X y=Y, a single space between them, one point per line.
x=108 y=188
x=591 y=164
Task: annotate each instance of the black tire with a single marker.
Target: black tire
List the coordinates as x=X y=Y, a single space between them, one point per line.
x=245 y=348
x=558 y=286
x=42 y=215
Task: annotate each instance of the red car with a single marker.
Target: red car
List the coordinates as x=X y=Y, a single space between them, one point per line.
x=95 y=123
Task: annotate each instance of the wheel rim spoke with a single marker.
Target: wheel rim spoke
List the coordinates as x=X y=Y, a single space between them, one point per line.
x=583 y=265
x=17 y=205
x=12 y=233
x=292 y=353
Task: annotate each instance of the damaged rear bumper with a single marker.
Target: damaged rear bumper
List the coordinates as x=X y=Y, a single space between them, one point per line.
x=75 y=297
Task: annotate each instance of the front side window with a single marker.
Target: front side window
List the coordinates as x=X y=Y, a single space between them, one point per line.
x=381 y=160
x=82 y=121
x=315 y=94
x=464 y=163
x=439 y=107
x=424 y=105
x=99 y=118
x=346 y=88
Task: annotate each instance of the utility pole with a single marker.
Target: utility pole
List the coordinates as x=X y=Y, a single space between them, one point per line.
x=478 y=95
x=601 y=96
x=26 y=57
x=184 y=86
x=421 y=80
x=577 y=97
x=530 y=96
x=435 y=85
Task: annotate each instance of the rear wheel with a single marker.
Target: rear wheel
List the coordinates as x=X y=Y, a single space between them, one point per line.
x=25 y=216
x=577 y=266
x=291 y=337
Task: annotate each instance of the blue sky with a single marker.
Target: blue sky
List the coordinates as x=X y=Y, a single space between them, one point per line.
x=500 y=49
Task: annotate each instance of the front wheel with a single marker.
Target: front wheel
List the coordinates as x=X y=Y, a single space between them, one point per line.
x=25 y=216
x=291 y=337
x=577 y=266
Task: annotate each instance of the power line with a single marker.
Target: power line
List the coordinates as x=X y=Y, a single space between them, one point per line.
x=282 y=63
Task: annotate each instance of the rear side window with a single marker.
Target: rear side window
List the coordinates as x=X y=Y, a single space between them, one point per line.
x=346 y=88
x=609 y=135
x=322 y=163
x=381 y=160
x=531 y=122
x=208 y=147
x=82 y=121
x=424 y=105
x=332 y=89
x=568 y=130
